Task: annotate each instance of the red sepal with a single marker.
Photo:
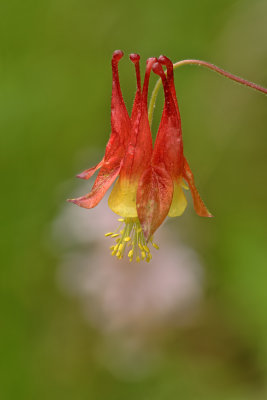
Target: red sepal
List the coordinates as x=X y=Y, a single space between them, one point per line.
x=90 y=172
x=104 y=180
x=154 y=197
x=199 y=205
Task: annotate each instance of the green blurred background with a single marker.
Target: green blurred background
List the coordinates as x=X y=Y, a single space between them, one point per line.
x=55 y=86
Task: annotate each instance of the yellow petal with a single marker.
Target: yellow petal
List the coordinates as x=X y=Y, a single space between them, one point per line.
x=122 y=199
x=179 y=201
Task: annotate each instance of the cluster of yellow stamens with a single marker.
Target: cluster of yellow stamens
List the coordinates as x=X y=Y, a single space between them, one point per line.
x=131 y=237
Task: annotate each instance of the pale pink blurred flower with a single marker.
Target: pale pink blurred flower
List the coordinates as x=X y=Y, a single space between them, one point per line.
x=127 y=302
x=118 y=295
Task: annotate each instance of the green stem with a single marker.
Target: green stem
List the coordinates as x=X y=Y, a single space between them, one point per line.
x=203 y=64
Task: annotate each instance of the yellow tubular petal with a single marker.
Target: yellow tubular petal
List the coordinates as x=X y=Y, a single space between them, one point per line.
x=122 y=199
x=179 y=201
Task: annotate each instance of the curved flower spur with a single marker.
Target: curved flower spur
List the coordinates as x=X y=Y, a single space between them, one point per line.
x=150 y=181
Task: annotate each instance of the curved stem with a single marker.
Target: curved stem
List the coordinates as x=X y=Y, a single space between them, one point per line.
x=207 y=65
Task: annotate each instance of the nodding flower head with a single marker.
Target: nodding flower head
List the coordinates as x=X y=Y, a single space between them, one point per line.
x=150 y=181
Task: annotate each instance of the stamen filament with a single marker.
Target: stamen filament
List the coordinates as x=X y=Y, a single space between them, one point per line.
x=131 y=235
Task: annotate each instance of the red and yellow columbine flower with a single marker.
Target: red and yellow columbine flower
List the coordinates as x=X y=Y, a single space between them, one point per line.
x=128 y=154
x=150 y=181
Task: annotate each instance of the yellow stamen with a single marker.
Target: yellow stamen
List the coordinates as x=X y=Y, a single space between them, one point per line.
x=146 y=248
x=121 y=246
x=143 y=254
x=148 y=257
x=131 y=236
x=115 y=250
x=155 y=245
